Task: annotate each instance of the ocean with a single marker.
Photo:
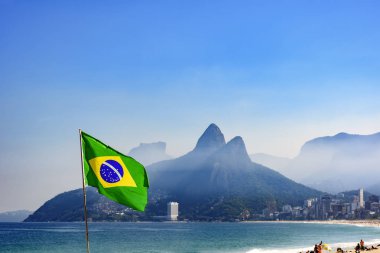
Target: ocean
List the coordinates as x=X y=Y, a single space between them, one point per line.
x=179 y=237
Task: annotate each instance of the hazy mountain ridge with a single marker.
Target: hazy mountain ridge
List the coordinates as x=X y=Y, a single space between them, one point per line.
x=148 y=153
x=344 y=161
x=336 y=163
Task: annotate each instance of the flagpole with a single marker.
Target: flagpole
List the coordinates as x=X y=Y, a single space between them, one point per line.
x=84 y=191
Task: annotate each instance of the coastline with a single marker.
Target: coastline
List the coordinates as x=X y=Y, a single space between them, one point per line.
x=364 y=223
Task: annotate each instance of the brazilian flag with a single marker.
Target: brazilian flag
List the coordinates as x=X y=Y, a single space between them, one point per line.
x=118 y=177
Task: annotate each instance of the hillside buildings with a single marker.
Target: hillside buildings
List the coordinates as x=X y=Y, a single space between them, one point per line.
x=328 y=207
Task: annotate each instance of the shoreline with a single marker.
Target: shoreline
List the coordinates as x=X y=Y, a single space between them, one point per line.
x=364 y=223
x=346 y=248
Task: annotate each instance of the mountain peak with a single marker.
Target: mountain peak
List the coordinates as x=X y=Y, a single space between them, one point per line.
x=341 y=134
x=236 y=146
x=212 y=139
x=233 y=154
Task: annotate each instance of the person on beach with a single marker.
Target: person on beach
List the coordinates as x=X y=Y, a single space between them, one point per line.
x=315 y=248
x=357 y=248
x=361 y=244
x=320 y=247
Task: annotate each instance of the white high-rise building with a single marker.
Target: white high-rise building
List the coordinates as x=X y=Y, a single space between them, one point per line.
x=361 y=198
x=172 y=211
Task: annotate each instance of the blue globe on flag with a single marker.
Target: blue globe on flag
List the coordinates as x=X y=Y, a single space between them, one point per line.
x=111 y=171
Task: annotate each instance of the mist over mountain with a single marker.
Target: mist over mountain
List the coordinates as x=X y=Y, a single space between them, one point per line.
x=216 y=176
x=148 y=153
x=275 y=162
x=337 y=163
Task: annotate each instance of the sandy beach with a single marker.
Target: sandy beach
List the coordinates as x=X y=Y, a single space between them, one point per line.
x=366 y=223
x=351 y=248
x=369 y=250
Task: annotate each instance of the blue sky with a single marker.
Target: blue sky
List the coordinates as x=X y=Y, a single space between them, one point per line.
x=278 y=73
